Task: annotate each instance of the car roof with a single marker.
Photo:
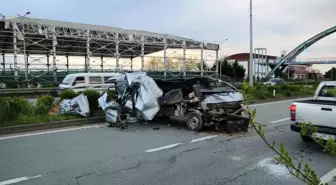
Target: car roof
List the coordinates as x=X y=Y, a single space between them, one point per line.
x=94 y=74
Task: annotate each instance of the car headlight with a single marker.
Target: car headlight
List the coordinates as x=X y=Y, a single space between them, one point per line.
x=203 y=105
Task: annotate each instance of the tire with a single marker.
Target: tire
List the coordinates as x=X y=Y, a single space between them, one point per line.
x=194 y=121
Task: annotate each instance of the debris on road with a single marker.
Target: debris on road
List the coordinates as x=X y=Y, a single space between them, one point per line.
x=78 y=105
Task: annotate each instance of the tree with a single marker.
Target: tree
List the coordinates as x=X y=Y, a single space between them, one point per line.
x=233 y=70
x=331 y=74
x=238 y=71
x=313 y=75
x=172 y=65
x=155 y=64
x=205 y=66
x=192 y=64
x=289 y=72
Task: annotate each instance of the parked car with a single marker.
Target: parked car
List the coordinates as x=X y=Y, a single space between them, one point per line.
x=320 y=111
x=83 y=81
x=274 y=81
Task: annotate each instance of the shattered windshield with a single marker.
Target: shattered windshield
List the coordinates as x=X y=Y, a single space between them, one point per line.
x=215 y=84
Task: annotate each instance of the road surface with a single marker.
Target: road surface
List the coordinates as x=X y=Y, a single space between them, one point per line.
x=156 y=153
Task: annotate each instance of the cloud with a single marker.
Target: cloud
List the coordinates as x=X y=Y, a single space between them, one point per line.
x=277 y=25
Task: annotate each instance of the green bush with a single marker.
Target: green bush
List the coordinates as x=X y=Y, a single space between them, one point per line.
x=288 y=93
x=42 y=118
x=92 y=97
x=7 y=110
x=54 y=94
x=44 y=104
x=22 y=105
x=111 y=94
x=12 y=84
x=12 y=107
x=284 y=90
x=68 y=94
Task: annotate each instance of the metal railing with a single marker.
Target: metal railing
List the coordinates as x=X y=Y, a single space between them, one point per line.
x=27 y=91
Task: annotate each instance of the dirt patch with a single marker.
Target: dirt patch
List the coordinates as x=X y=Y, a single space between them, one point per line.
x=55 y=110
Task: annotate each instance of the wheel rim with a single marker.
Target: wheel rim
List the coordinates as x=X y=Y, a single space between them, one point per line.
x=194 y=122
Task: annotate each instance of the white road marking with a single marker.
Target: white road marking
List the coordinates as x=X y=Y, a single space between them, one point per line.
x=283 y=101
x=177 y=144
x=328 y=177
x=48 y=132
x=163 y=147
x=20 y=179
x=280 y=120
x=203 y=138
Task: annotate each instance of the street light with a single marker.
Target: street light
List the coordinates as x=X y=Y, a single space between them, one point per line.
x=251 y=48
x=24 y=49
x=27 y=13
x=220 y=63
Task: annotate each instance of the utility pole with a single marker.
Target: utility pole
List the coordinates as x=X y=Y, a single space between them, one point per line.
x=251 y=48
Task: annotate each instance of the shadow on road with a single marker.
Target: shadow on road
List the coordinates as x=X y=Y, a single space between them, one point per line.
x=172 y=124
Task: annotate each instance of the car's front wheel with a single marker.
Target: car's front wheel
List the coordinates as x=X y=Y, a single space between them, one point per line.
x=194 y=121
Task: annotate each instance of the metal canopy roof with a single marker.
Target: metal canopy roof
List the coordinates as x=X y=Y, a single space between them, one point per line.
x=74 y=39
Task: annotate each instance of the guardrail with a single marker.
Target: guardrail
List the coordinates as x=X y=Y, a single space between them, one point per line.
x=27 y=91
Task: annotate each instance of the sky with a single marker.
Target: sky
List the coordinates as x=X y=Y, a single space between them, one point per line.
x=277 y=24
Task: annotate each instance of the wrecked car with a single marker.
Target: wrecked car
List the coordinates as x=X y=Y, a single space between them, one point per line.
x=200 y=102
x=136 y=96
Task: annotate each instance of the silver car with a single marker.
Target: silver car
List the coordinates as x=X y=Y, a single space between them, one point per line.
x=274 y=81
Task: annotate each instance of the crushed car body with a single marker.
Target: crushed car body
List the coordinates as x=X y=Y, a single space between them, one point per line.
x=78 y=105
x=200 y=102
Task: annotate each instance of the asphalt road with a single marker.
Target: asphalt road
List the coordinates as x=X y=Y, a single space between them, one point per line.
x=156 y=153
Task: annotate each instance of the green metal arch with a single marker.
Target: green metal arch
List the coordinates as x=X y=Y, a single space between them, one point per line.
x=301 y=48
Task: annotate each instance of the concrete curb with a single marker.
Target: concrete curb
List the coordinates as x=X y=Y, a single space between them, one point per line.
x=51 y=125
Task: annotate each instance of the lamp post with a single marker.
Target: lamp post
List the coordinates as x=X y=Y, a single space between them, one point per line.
x=24 y=50
x=251 y=48
x=220 y=63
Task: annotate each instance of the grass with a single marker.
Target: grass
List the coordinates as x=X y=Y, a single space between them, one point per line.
x=35 y=119
x=260 y=92
x=19 y=111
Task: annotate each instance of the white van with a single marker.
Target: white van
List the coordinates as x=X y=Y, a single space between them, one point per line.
x=79 y=82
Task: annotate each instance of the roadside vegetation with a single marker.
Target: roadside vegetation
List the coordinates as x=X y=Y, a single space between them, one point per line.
x=262 y=92
x=20 y=111
x=300 y=169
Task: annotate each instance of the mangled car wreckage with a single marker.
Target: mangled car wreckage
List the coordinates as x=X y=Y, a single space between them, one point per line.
x=199 y=102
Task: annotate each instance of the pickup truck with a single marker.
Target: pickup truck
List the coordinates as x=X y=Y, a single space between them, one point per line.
x=320 y=111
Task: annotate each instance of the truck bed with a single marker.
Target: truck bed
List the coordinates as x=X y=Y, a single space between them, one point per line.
x=319 y=112
x=317 y=102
